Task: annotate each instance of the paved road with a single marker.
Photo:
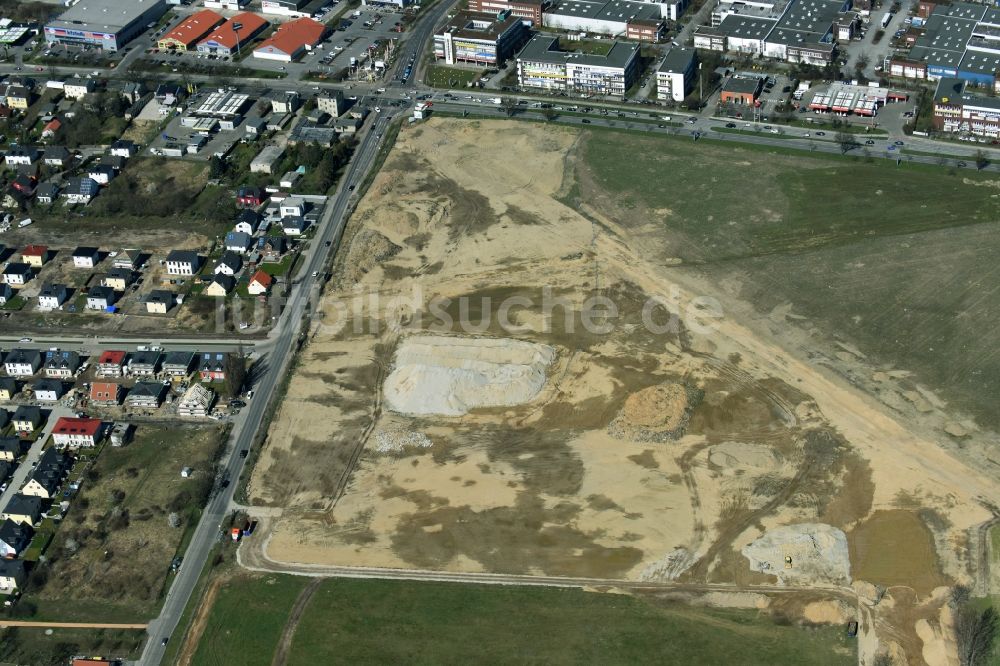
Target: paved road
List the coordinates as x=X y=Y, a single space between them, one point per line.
x=22 y=471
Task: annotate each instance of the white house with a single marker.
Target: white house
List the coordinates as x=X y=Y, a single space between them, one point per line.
x=76 y=432
x=183 y=262
x=17 y=273
x=22 y=362
x=229 y=264
x=124 y=148
x=100 y=298
x=78 y=88
x=292 y=207
x=52 y=296
x=85 y=257
x=12 y=576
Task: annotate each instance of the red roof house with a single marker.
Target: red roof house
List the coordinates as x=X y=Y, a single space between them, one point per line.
x=110 y=363
x=259 y=283
x=76 y=432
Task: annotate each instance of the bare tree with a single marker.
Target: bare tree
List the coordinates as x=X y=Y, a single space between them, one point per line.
x=982 y=160
x=508 y=104
x=846 y=141
x=975 y=634
x=550 y=114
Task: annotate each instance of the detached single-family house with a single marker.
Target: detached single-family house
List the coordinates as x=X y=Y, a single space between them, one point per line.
x=51 y=128
x=111 y=363
x=119 y=278
x=25 y=185
x=52 y=296
x=86 y=257
x=27 y=419
x=22 y=362
x=14 y=538
x=294 y=226
x=17 y=273
x=146 y=395
x=12 y=576
x=144 y=363
x=61 y=364
x=11 y=448
x=238 y=241
x=183 y=262
x=8 y=388
x=229 y=264
x=212 y=366
x=127 y=258
x=221 y=285
x=48 y=475
x=100 y=298
x=73 y=433
x=78 y=88
x=260 y=283
x=23 y=509
x=35 y=255
x=159 y=301
x=250 y=196
x=47 y=192
x=177 y=363
x=124 y=148
x=292 y=207
x=101 y=173
x=81 y=190
x=4 y=419
x=6 y=293
x=106 y=394
x=56 y=156
x=116 y=162
x=48 y=390
x=26 y=155
x=18 y=97
x=271 y=248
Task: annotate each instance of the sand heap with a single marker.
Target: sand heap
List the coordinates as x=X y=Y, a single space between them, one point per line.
x=655 y=414
x=397 y=440
x=818 y=554
x=448 y=376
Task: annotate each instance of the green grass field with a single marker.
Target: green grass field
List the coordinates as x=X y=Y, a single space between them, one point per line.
x=371 y=621
x=439 y=76
x=24 y=645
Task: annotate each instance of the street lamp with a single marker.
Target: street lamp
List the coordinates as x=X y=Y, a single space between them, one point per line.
x=236 y=31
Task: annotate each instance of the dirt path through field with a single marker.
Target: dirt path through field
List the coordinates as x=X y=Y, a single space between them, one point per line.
x=285 y=644
x=70 y=625
x=198 y=623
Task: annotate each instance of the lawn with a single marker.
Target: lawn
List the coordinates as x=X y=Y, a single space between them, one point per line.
x=29 y=645
x=372 y=621
x=110 y=557
x=249 y=614
x=589 y=47
x=439 y=76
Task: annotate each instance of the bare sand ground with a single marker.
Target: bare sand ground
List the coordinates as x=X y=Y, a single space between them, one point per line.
x=772 y=440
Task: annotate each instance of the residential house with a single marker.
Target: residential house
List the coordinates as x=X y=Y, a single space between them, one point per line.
x=35 y=255
x=212 y=366
x=119 y=278
x=146 y=395
x=22 y=362
x=101 y=173
x=12 y=576
x=22 y=155
x=17 y=273
x=111 y=363
x=116 y=162
x=48 y=475
x=51 y=127
x=254 y=126
x=25 y=185
x=18 y=97
x=14 y=538
x=52 y=296
x=56 y=156
x=124 y=148
x=47 y=192
x=284 y=102
x=259 y=283
x=294 y=226
x=121 y=434
x=127 y=258
x=4 y=419
x=70 y=432
x=78 y=88
x=159 y=301
x=11 y=448
x=248 y=222
x=250 y=197
x=221 y=285
x=167 y=90
x=105 y=394
x=6 y=293
x=271 y=248
x=132 y=90
x=196 y=401
x=61 y=364
x=183 y=262
x=177 y=363
x=13 y=198
x=48 y=390
x=292 y=207
x=23 y=509
x=86 y=257
x=27 y=419
x=81 y=190
x=144 y=363
x=8 y=388
x=101 y=298
x=238 y=241
x=229 y=264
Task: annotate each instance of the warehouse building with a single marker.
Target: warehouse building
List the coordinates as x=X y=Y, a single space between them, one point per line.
x=291 y=40
x=615 y=18
x=542 y=64
x=675 y=75
x=528 y=10
x=292 y=8
x=191 y=30
x=227 y=39
x=480 y=39
x=107 y=24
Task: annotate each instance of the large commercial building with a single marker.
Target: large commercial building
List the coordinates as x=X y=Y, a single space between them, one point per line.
x=480 y=39
x=227 y=39
x=675 y=75
x=529 y=10
x=291 y=8
x=291 y=40
x=957 y=110
x=107 y=24
x=614 y=18
x=791 y=30
x=541 y=64
x=191 y=30
x=960 y=40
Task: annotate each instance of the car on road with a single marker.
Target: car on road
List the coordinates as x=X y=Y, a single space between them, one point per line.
x=898 y=143
x=165 y=639
x=962 y=165
x=329 y=243
x=315 y=274
x=820 y=133
x=692 y=120
x=585 y=121
x=730 y=125
x=662 y=126
x=350 y=188
x=25 y=340
x=869 y=142
x=244 y=453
